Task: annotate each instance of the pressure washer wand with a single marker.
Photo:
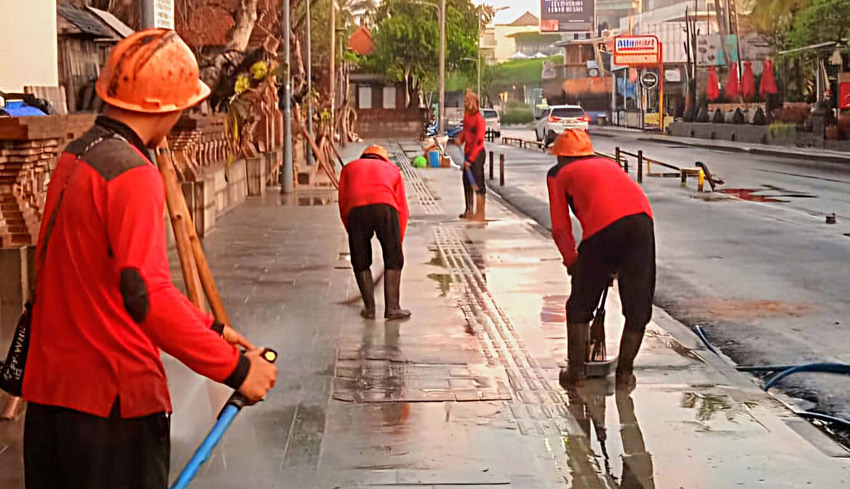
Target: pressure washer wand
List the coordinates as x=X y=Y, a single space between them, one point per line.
x=235 y=404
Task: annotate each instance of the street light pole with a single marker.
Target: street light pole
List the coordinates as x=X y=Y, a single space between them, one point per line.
x=309 y=150
x=443 y=67
x=286 y=186
x=332 y=77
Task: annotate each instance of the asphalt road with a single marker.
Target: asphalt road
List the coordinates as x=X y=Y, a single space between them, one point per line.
x=758 y=268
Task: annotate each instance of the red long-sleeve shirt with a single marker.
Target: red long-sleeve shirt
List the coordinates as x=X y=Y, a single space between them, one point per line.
x=370 y=181
x=599 y=193
x=105 y=303
x=474 y=132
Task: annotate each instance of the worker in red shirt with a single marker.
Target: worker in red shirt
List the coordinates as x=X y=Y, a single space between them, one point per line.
x=372 y=201
x=98 y=412
x=474 y=131
x=617 y=238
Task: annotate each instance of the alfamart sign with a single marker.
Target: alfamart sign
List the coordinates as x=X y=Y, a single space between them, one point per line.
x=637 y=51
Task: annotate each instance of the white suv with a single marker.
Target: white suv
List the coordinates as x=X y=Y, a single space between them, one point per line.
x=553 y=120
x=493 y=122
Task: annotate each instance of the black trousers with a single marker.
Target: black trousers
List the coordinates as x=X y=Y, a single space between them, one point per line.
x=367 y=221
x=67 y=449
x=478 y=173
x=627 y=248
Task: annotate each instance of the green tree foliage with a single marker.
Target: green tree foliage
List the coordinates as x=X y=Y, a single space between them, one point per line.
x=776 y=17
x=502 y=76
x=821 y=21
x=407 y=37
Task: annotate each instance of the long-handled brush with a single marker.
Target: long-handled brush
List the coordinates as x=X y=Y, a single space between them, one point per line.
x=597 y=332
x=598 y=365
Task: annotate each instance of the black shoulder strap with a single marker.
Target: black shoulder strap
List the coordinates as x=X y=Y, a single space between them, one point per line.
x=52 y=221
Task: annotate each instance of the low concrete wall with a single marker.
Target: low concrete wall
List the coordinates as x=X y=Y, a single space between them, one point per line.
x=217 y=191
x=744 y=133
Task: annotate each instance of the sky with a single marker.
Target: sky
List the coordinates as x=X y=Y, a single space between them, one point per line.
x=515 y=8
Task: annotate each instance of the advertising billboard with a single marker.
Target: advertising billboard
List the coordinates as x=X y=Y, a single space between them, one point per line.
x=567 y=15
x=637 y=51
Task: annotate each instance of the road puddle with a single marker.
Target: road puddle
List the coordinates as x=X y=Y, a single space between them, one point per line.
x=749 y=194
x=444 y=280
x=309 y=199
x=768 y=193
x=626 y=439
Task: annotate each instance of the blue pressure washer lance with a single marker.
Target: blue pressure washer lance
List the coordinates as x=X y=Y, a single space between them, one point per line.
x=469 y=177
x=235 y=404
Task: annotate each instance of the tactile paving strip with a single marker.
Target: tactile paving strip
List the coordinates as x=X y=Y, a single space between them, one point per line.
x=423 y=194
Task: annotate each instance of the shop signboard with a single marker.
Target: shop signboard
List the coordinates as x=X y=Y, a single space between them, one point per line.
x=637 y=51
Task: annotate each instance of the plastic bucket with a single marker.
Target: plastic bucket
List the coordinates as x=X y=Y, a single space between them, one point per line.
x=434 y=159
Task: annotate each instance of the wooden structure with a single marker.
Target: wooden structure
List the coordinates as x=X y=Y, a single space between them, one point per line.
x=86 y=37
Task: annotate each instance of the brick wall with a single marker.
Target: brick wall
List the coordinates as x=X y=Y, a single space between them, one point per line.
x=390 y=123
x=28 y=150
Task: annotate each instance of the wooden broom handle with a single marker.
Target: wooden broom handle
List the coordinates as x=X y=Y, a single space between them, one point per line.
x=181 y=222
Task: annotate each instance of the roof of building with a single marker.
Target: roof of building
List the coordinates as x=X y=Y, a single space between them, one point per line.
x=526 y=19
x=87 y=22
x=361 y=41
x=112 y=21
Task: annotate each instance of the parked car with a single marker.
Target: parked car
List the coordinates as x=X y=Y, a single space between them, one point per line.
x=553 y=120
x=492 y=121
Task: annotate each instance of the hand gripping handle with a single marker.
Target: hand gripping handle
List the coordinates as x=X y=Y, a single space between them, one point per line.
x=238 y=400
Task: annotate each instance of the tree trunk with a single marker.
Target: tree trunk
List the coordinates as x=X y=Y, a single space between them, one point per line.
x=407 y=86
x=234 y=50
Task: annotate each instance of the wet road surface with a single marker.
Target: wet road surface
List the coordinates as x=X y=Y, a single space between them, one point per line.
x=758 y=266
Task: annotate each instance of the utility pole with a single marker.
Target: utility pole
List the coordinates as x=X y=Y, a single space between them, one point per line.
x=332 y=77
x=146 y=14
x=308 y=150
x=442 y=67
x=286 y=185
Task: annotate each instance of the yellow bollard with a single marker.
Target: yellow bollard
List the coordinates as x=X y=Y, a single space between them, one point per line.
x=700 y=180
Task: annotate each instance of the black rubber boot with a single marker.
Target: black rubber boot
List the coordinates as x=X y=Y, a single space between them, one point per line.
x=577 y=346
x=392 y=291
x=629 y=347
x=367 y=291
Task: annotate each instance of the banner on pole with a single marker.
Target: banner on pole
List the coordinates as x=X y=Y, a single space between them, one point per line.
x=567 y=15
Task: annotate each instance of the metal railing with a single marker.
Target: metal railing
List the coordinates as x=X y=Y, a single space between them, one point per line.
x=621 y=157
x=700 y=172
x=522 y=143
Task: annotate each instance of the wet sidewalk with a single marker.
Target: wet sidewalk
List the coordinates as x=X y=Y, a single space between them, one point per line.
x=465 y=393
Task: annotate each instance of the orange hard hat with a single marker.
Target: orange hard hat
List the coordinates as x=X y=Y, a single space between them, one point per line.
x=377 y=150
x=573 y=142
x=152 y=71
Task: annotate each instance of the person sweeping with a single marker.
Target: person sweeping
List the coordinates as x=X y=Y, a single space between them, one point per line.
x=372 y=201
x=99 y=407
x=618 y=238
